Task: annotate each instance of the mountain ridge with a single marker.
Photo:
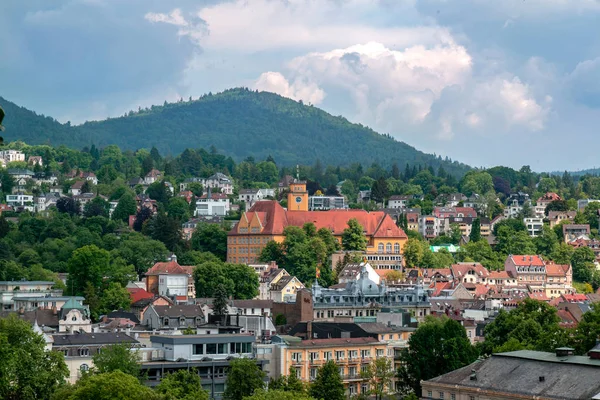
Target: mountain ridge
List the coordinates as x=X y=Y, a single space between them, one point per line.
x=239 y=123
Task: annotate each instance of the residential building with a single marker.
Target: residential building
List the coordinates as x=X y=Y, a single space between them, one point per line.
x=35 y=160
x=534 y=226
x=208 y=354
x=448 y=212
x=364 y=196
x=431 y=226
x=364 y=298
x=556 y=217
x=217 y=181
x=79 y=349
x=173 y=317
x=74 y=317
x=152 y=176
x=11 y=290
x=170 y=279
x=547 y=199
x=572 y=232
x=266 y=221
x=399 y=201
x=19 y=173
x=412 y=218
x=523 y=374
x=76 y=188
x=284 y=290
x=352 y=273
x=582 y=203
x=212 y=204
x=251 y=196
x=527 y=269
x=12 y=156
x=323 y=203
x=450 y=200
x=45 y=200
x=90 y=176
x=351 y=355
x=21 y=201
x=465 y=225
x=54 y=300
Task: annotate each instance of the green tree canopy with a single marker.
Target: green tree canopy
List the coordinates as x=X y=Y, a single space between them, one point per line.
x=244 y=377
x=353 y=237
x=210 y=237
x=182 y=385
x=117 y=357
x=328 y=383
x=108 y=386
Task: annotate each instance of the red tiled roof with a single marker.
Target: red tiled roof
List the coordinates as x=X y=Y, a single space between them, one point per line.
x=548 y=197
x=566 y=318
x=438 y=287
x=557 y=269
x=527 y=260
x=77 y=185
x=170 y=267
x=538 y=296
x=137 y=294
x=575 y=298
x=461 y=269
x=275 y=219
x=214 y=196
x=335 y=341
x=499 y=275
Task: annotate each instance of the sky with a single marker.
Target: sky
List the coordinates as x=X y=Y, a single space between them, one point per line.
x=485 y=82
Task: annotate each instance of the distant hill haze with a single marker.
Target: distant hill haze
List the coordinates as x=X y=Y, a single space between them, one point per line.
x=239 y=123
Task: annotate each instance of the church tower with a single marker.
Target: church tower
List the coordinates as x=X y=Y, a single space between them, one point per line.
x=298 y=196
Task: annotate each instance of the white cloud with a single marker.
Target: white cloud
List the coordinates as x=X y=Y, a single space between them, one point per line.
x=299 y=90
x=174 y=18
x=192 y=27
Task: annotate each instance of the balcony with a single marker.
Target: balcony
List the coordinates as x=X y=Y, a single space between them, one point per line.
x=352 y=377
x=365 y=360
x=353 y=360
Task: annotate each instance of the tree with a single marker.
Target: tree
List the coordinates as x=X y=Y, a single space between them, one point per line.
x=145 y=214
x=438 y=346
x=220 y=301
x=277 y=394
x=4 y=227
x=243 y=379
x=87 y=187
x=68 y=205
x=380 y=190
x=210 y=237
x=328 y=383
x=182 y=385
x=380 y=374
x=413 y=253
x=353 y=237
x=556 y=205
x=88 y=264
x=165 y=229
x=273 y=251
x=27 y=370
x=98 y=207
x=115 y=297
x=588 y=330
x=117 y=357
x=546 y=242
x=126 y=207
x=178 y=208
x=511 y=242
x=475 y=235
x=108 y=386
x=582 y=261
x=158 y=191
x=562 y=253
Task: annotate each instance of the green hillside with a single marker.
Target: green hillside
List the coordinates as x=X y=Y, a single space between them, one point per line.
x=239 y=123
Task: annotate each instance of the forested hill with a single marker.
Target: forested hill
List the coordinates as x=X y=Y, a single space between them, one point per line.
x=239 y=123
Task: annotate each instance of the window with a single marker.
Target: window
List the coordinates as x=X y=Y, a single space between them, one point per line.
x=327 y=355
x=84 y=367
x=388 y=248
x=364 y=369
x=198 y=349
x=430 y=394
x=84 y=352
x=222 y=348
x=352 y=371
x=471 y=397
x=181 y=320
x=442 y=395
x=364 y=388
x=365 y=353
x=313 y=356
x=452 y=396
x=166 y=321
x=353 y=354
x=211 y=348
x=339 y=355
x=397 y=248
x=380 y=248
x=341 y=371
x=297 y=357
x=313 y=373
x=379 y=352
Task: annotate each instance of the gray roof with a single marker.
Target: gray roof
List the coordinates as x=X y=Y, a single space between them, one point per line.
x=42 y=316
x=519 y=373
x=80 y=339
x=183 y=310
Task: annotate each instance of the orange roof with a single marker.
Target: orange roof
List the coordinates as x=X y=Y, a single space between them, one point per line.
x=527 y=260
x=438 y=287
x=557 y=269
x=575 y=298
x=275 y=219
x=481 y=290
x=538 y=296
x=170 y=267
x=548 y=197
x=499 y=275
x=383 y=272
x=137 y=294
x=461 y=269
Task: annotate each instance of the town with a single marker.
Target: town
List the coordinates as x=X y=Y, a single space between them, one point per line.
x=201 y=277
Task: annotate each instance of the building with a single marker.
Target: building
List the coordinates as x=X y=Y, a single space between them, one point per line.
x=448 y=212
x=170 y=279
x=323 y=203
x=352 y=272
x=35 y=160
x=79 y=349
x=21 y=201
x=217 y=181
x=522 y=374
x=534 y=226
x=13 y=290
x=45 y=200
x=266 y=221
x=76 y=188
x=212 y=204
x=364 y=298
x=350 y=355
x=556 y=217
x=208 y=354
x=572 y=232
x=74 y=317
x=465 y=224
x=12 y=156
x=251 y=196
x=152 y=176
x=431 y=226
x=547 y=199
x=527 y=269
x=399 y=201
x=173 y=317
x=582 y=203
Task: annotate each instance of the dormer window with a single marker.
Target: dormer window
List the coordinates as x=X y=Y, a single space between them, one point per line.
x=181 y=320
x=166 y=321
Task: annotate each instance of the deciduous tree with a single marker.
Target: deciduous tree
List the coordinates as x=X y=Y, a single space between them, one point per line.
x=353 y=237
x=244 y=377
x=328 y=383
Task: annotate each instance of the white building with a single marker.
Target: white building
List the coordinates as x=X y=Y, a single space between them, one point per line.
x=12 y=156
x=45 y=201
x=324 y=203
x=212 y=204
x=399 y=201
x=216 y=181
x=513 y=209
x=21 y=200
x=534 y=226
x=250 y=196
x=431 y=226
x=10 y=290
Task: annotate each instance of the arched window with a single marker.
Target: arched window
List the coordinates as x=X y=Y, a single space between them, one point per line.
x=396 y=248
x=388 y=248
x=380 y=248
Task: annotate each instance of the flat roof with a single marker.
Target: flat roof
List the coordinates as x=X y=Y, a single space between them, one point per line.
x=27 y=283
x=197 y=339
x=550 y=357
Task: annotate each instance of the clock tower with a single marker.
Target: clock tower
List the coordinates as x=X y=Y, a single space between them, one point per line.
x=298 y=196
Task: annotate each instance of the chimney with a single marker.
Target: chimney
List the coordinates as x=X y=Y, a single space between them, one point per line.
x=309 y=330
